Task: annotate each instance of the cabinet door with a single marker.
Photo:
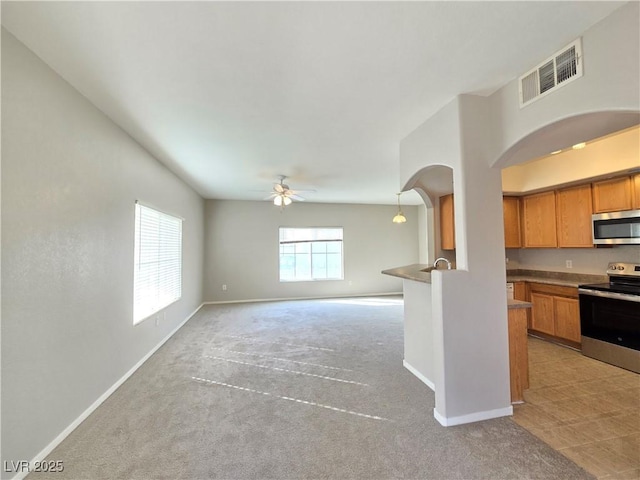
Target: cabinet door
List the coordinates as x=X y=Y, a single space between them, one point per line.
x=539 y=212
x=636 y=191
x=519 y=291
x=567 y=315
x=447 y=223
x=542 y=313
x=518 y=354
x=511 y=214
x=612 y=195
x=573 y=212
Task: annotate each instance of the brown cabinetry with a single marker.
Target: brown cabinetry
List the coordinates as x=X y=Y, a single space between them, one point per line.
x=612 y=195
x=555 y=312
x=542 y=318
x=518 y=353
x=539 y=220
x=636 y=191
x=567 y=316
x=447 y=223
x=573 y=215
x=520 y=291
x=511 y=214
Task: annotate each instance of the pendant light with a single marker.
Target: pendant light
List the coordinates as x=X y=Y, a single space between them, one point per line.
x=399 y=218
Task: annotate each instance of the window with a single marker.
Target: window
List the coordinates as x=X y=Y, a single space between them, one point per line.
x=157 y=279
x=310 y=254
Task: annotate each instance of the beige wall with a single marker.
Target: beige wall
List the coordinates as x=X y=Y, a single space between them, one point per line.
x=70 y=178
x=584 y=260
x=241 y=248
x=614 y=153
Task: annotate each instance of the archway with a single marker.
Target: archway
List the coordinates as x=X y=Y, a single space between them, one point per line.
x=431 y=183
x=564 y=133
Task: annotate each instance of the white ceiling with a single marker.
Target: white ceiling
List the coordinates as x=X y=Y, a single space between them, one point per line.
x=231 y=94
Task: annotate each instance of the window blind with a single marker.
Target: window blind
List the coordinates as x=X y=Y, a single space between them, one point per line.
x=157 y=262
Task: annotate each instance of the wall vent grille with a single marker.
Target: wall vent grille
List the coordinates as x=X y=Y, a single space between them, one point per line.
x=557 y=71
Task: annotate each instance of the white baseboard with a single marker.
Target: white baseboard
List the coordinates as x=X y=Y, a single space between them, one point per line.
x=287 y=299
x=65 y=433
x=472 y=417
x=420 y=376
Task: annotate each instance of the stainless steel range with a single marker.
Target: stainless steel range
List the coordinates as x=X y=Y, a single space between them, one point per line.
x=610 y=317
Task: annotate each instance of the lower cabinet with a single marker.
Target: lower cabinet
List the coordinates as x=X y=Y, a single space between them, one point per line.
x=518 y=354
x=555 y=312
x=567 y=316
x=542 y=317
x=520 y=291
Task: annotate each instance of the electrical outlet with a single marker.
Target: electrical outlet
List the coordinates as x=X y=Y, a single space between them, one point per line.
x=350 y=283
x=157 y=320
x=569 y=264
x=506 y=260
x=224 y=288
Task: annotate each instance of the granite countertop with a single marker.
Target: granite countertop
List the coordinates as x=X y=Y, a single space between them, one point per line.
x=511 y=304
x=411 y=272
x=414 y=272
x=562 y=279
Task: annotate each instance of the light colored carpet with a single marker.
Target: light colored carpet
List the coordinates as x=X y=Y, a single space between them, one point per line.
x=284 y=390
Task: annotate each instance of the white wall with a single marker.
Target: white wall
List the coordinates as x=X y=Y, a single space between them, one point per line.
x=425 y=233
x=471 y=134
x=70 y=178
x=610 y=84
x=241 y=248
x=431 y=144
x=470 y=351
x=418 y=331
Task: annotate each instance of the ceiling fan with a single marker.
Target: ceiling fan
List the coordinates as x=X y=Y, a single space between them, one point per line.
x=282 y=195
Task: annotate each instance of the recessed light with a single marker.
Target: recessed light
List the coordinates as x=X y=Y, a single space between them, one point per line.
x=580 y=145
x=556 y=152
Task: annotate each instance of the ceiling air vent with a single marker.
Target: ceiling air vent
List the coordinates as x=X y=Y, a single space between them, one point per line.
x=555 y=72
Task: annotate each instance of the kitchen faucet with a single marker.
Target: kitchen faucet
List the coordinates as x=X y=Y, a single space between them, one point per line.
x=435 y=264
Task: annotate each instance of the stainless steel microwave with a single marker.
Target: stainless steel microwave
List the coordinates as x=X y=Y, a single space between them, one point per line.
x=616 y=228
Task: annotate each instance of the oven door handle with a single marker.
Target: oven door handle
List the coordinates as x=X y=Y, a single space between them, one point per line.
x=614 y=295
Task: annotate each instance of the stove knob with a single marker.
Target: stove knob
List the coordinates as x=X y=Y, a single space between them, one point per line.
x=613 y=267
x=621 y=267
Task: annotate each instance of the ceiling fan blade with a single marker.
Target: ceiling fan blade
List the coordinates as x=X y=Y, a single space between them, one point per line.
x=303 y=191
x=278 y=188
x=271 y=197
x=295 y=197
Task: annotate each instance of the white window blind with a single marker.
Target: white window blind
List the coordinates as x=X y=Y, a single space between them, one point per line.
x=157 y=280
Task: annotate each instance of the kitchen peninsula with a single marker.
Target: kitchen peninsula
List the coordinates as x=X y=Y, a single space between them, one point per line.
x=421 y=332
x=419 y=329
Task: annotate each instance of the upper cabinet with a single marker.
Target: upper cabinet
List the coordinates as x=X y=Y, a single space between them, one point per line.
x=511 y=213
x=573 y=215
x=447 y=223
x=539 y=220
x=612 y=195
x=556 y=218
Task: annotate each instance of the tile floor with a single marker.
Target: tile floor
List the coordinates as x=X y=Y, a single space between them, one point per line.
x=586 y=409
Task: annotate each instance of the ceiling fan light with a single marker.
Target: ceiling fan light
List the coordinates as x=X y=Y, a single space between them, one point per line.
x=277 y=201
x=286 y=200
